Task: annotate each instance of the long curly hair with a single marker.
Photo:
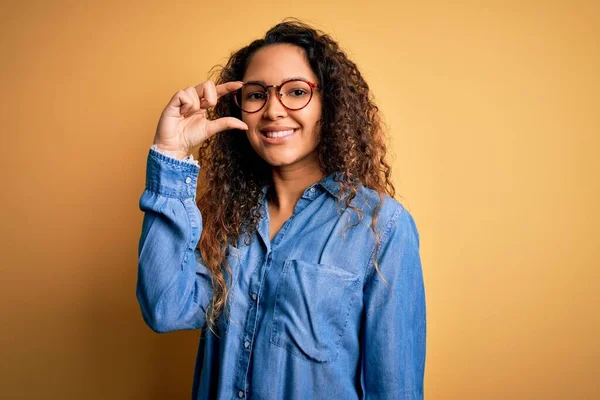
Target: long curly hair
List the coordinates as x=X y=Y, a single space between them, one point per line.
x=233 y=175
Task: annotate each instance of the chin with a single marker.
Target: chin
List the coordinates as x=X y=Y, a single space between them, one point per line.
x=279 y=156
x=279 y=161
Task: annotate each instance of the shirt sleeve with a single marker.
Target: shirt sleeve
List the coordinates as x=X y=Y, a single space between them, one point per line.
x=394 y=325
x=173 y=285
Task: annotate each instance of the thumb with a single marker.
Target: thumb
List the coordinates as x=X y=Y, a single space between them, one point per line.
x=223 y=124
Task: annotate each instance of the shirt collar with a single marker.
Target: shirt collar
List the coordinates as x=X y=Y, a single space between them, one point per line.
x=328 y=183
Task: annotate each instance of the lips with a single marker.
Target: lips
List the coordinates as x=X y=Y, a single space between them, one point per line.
x=278 y=136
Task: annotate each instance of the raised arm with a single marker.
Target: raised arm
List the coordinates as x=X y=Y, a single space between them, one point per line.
x=174 y=287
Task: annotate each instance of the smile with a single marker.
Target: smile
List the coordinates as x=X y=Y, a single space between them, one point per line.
x=279 y=134
x=278 y=137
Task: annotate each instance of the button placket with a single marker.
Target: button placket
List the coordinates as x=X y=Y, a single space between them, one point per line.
x=250 y=329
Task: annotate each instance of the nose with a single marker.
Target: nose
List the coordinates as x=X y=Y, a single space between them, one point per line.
x=274 y=109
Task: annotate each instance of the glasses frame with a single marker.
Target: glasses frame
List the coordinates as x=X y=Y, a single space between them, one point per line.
x=313 y=86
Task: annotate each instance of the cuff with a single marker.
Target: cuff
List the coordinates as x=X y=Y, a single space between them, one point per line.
x=189 y=158
x=171 y=177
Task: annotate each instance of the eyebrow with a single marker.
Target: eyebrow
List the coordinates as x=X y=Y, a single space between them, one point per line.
x=285 y=80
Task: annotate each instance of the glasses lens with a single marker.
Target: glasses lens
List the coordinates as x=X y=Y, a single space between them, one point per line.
x=251 y=98
x=295 y=94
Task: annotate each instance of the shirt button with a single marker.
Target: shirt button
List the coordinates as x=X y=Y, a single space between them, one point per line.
x=246 y=344
x=312 y=190
x=240 y=394
x=254 y=296
x=188 y=179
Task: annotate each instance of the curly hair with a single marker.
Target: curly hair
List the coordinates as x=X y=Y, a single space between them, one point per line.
x=232 y=182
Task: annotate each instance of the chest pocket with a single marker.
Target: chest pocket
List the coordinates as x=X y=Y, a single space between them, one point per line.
x=312 y=305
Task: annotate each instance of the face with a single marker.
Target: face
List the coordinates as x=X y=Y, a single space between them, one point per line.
x=273 y=65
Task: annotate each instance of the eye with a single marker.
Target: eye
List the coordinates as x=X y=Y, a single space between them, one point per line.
x=297 y=92
x=255 y=96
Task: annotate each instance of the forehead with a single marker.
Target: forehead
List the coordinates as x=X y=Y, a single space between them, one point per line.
x=275 y=63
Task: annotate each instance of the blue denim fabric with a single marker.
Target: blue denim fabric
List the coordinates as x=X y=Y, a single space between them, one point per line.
x=308 y=317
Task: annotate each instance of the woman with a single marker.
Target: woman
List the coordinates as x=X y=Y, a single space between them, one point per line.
x=297 y=259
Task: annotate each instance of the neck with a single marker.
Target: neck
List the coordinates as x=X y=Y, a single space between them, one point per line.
x=290 y=182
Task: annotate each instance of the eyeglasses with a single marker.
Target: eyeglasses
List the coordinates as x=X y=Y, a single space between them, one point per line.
x=294 y=94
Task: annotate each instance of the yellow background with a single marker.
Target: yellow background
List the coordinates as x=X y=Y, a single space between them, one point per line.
x=493 y=109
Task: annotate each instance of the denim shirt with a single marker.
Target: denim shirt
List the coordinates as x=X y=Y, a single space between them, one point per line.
x=308 y=316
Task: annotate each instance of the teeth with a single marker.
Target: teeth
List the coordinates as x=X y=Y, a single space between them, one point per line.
x=279 y=134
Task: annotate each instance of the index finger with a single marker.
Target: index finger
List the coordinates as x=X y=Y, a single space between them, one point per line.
x=208 y=93
x=228 y=87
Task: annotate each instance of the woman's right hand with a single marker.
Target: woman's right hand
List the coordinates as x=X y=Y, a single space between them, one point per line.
x=184 y=124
